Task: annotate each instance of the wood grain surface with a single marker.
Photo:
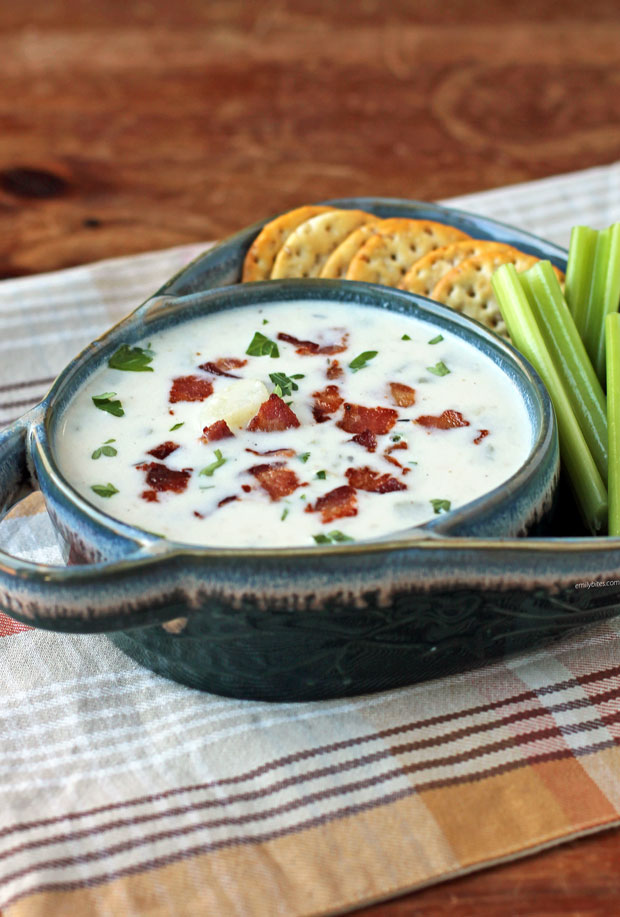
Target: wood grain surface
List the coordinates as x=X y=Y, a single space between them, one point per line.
x=136 y=125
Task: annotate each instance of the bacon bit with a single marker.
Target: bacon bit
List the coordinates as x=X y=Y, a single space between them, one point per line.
x=393 y=461
x=273 y=415
x=163 y=451
x=217 y=430
x=338 y=503
x=326 y=402
x=277 y=480
x=334 y=370
x=160 y=477
x=198 y=515
x=227 y=500
x=480 y=437
x=306 y=348
x=190 y=388
x=403 y=395
x=150 y=496
x=358 y=419
x=446 y=421
x=366 y=439
x=373 y=481
x=220 y=367
x=246 y=488
x=401 y=445
x=289 y=453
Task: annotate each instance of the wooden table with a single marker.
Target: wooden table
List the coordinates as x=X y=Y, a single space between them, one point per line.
x=135 y=125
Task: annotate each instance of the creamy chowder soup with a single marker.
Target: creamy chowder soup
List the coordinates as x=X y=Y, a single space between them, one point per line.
x=292 y=424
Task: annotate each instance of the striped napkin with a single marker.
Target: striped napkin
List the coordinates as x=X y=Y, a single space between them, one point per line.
x=124 y=793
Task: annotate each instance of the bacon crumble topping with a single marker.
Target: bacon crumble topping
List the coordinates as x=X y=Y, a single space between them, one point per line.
x=358 y=419
x=366 y=439
x=373 y=481
x=336 y=504
x=190 y=388
x=403 y=395
x=217 y=430
x=326 y=402
x=276 y=479
x=306 y=348
x=161 y=478
x=220 y=367
x=480 y=437
x=164 y=450
x=273 y=415
x=449 y=420
x=334 y=370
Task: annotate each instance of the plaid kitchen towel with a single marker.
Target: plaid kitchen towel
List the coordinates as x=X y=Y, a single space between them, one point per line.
x=124 y=793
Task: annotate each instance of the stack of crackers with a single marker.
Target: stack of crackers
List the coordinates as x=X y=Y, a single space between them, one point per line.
x=421 y=256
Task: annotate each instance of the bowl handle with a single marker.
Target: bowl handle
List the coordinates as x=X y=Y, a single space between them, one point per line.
x=84 y=598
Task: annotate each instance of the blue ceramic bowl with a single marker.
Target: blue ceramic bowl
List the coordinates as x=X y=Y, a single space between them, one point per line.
x=320 y=622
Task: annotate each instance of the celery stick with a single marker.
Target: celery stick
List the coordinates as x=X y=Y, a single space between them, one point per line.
x=605 y=295
x=570 y=358
x=586 y=481
x=612 y=337
x=579 y=273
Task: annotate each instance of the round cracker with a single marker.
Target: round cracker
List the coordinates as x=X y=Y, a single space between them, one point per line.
x=467 y=287
x=262 y=253
x=308 y=247
x=337 y=265
x=397 y=242
x=424 y=274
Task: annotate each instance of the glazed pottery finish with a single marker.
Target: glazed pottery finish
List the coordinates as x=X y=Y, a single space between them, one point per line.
x=306 y=623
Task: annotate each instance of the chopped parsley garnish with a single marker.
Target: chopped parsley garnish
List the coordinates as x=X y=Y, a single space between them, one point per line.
x=284 y=514
x=261 y=346
x=105 y=403
x=177 y=426
x=285 y=385
x=440 y=506
x=412 y=463
x=212 y=468
x=105 y=449
x=332 y=537
x=321 y=475
x=436 y=340
x=405 y=337
x=304 y=456
x=396 y=437
x=439 y=369
x=265 y=321
x=104 y=490
x=132 y=359
x=362 y=359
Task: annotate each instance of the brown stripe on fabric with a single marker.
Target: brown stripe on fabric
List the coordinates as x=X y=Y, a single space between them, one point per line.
x=26 y=402
x=305 y=755
x=354 y=763
x=322 y=795
x=239 y=840
x=13 y=386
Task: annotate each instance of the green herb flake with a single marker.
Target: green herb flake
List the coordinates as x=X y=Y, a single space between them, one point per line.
x=105 y=403
x=412 y=463
x=396 y=437
x=333 y=537
x=132 y=359
x=405 y=337
x=304 y=457
x=439 y=369
x=261 y=346
x=362 y=359
x=440 y=506
x=265 y=321
x=104 y=490
x=321 y=475
x=436 y=340
x=285 y=385
x=177 y=426
x=212 y=468
x=284 y=514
